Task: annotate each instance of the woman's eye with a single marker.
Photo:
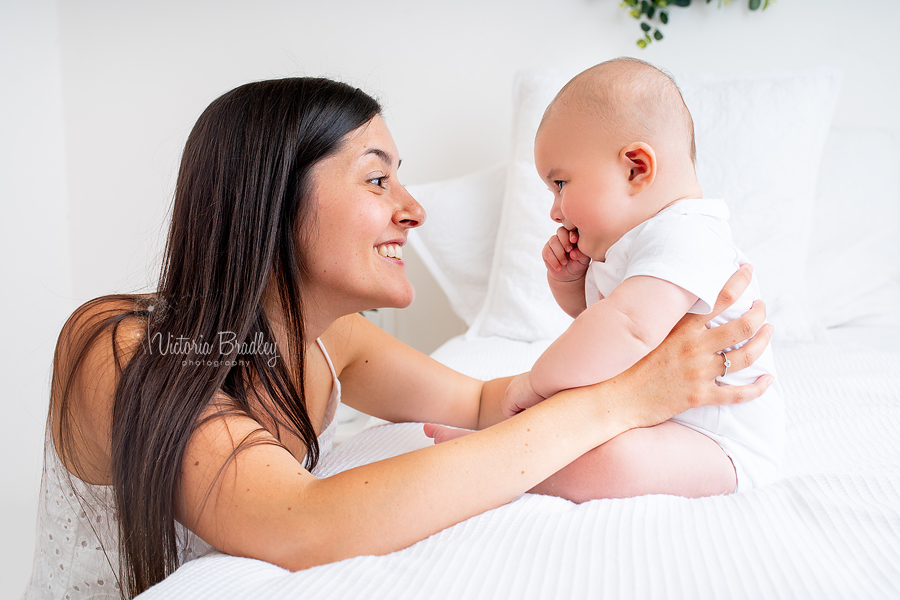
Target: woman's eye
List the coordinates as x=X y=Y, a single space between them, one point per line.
x=559 y=184
x=379 y=181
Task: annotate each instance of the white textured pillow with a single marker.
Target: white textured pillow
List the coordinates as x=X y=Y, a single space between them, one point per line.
x=854 y=261
x=519 y=304
x=456 y=242
x=759 y=143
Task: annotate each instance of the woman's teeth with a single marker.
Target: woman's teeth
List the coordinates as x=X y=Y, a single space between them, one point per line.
x=390 y=251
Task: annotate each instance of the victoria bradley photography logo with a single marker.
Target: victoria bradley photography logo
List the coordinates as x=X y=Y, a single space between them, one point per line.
x=224 y=344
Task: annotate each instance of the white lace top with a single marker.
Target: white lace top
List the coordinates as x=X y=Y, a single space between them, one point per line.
x=75 y=527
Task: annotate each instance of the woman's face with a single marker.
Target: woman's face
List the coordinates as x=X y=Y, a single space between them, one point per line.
x=361 y=218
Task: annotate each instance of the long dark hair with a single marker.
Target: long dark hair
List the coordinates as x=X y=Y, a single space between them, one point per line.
x=242 y=206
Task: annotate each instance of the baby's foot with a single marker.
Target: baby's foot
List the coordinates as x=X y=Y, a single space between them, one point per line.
x=441 y=433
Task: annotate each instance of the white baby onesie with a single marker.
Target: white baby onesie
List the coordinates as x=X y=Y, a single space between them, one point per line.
x=689 y=244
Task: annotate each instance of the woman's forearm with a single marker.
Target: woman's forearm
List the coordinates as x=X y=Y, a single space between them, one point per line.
x=264 y=505
x=391 y=504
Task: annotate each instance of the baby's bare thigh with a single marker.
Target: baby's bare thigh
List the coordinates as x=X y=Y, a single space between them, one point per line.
x=666 y=459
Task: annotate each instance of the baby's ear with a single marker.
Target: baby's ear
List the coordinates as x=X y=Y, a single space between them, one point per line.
x=640 y=160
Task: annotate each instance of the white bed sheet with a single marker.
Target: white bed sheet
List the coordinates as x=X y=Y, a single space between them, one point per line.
x=829 y=529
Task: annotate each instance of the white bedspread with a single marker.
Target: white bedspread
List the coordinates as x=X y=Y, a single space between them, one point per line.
x=829 y=529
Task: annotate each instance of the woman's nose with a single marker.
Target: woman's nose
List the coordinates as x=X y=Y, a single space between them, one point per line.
x=410 y=213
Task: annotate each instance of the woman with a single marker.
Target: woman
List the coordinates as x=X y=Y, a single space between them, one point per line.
x=205 y=407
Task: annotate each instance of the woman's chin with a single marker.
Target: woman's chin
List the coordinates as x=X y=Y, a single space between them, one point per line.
x=402 y=302
x=397 y=300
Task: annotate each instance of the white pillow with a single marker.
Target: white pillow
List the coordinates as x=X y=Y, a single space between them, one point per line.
x=519 y=304
x=759 y=143
x=854 y=261
x=456 y=242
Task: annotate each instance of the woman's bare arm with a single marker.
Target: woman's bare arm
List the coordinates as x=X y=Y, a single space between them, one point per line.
x=266 y=506
x=383 y=377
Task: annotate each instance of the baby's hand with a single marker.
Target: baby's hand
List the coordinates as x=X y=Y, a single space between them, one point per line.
x=520 y=395
x=564 y=261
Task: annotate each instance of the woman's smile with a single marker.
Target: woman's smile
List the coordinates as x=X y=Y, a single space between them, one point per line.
x=390 y=250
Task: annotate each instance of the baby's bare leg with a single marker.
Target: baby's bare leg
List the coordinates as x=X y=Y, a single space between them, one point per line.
x=666 y=459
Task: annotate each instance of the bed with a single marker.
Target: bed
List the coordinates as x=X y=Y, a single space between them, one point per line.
x=817 y=209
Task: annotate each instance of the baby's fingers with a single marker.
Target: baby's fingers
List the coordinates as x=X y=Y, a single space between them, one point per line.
x=579 y=256
x=564 y=237
x=554 y=255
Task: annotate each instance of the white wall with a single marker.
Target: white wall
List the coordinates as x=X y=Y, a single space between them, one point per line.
x=35 y=269
x=134 y=75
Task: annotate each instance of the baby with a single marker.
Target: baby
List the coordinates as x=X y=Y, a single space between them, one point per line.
x=640 y=247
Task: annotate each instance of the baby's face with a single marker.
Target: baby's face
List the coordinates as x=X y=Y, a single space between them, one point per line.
x=581 y=165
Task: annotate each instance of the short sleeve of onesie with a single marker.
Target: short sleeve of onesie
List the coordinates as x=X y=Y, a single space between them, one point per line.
x=693 y=251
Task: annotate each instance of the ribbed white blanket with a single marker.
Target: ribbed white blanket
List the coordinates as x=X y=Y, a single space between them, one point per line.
x=829 y=529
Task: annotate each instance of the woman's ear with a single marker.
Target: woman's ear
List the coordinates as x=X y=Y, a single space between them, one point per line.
x=640 y=160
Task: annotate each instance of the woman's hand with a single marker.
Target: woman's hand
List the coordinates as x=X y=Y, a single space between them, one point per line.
x=680 y=373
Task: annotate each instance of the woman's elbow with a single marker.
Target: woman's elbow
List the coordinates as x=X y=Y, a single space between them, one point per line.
x=302 y=549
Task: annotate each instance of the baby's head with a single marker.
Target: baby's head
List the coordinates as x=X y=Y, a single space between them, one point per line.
x=615 y=146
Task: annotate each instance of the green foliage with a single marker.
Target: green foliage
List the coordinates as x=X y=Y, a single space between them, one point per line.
x=646 y=10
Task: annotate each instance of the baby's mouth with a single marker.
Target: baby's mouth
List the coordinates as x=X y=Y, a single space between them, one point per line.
x=390 y=251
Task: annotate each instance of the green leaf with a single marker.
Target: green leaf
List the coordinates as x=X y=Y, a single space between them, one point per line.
x=642 y=43
x=651 y=11
x=664 y=17
x=635 y=14
x=657 y=35
x=754 y=4
x=645 y=26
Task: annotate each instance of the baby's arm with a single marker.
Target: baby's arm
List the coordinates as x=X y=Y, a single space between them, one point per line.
x=566 y=268
x=611 y=335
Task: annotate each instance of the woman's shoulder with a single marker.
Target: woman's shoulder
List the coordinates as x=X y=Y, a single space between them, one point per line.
x=93 y=328
x=353 y=337
x=96 y=342
x=341 y=338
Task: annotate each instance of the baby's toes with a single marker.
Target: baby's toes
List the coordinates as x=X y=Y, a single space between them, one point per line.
x=441 y=433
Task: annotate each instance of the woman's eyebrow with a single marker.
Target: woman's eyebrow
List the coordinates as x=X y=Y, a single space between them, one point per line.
x=384 y=156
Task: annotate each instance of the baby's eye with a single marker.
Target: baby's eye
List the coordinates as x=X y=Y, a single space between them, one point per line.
x=559 y=183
